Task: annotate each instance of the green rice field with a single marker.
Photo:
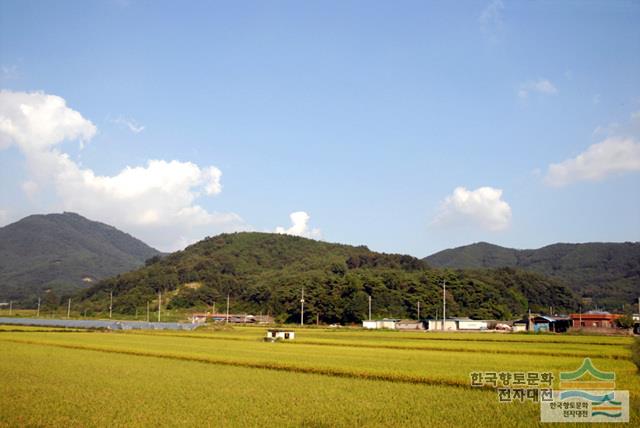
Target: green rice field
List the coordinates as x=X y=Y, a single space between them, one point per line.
x=231 y=377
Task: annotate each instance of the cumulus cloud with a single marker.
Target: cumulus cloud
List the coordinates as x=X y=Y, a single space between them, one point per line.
x=617 y=152
x=156 y=201
x=129 y=123
x=541 y=86
x=614 y=155
x=482 y=207
x=36 y=121
x=300 y=226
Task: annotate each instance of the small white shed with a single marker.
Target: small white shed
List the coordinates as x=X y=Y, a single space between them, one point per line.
x=279 y=334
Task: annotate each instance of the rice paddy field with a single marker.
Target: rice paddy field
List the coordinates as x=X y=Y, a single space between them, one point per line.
x=231 y=377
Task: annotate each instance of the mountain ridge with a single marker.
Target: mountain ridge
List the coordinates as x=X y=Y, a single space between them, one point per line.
x=63 y=253
x=603 y=273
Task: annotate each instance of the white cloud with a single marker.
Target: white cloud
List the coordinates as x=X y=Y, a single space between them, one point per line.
x=300 y=226
x=490 y=19
x=155 y=202
x=542 y=86
x=129 y=123
x=36 y=121
x=482 y=207
x=614 y=155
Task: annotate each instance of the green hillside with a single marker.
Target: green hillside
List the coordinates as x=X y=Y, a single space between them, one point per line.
x=62 y=253
x=265 y=273
x=607 y=274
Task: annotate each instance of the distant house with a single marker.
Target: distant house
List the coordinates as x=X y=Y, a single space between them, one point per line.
x=594 y=319
x=553 y=324
x=520 y=325
x=410 y=325
x=198 y=318
x=542 y=323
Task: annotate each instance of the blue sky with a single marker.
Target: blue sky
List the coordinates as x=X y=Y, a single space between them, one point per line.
x=358 y=119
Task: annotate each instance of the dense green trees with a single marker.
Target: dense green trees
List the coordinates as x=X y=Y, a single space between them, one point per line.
x=266 y=273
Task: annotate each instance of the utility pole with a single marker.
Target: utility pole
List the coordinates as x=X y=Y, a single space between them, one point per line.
x=110 y=303
x=444 y=303
x=38 y=313
x=580 y=312
x=302 y=308
x=159 y=304
x=369 y=307
x=227 y=308
x=69 y=309
x=10 y=307
x=317 y=319
x=418 y=310
x=213 y=309
x=148 y=311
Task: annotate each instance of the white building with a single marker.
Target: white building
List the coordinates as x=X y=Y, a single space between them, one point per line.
x=388 y=323
x=436 y=325
x=278 y=334
x=469 y=324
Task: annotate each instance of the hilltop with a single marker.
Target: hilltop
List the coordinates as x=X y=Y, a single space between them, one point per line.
x=606 y=273
x=265 y=273
x=63 y=253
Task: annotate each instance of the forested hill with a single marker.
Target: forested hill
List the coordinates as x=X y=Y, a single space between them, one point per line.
x=62 y=253
x=265 y=273
x=606 y=273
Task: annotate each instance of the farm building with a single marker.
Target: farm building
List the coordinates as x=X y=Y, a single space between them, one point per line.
x=548 y=323
x=233 y=318
x=410 y=325
x=594 y=319
x=469 y=324
x=453 y=324
x=279 y=334
x=541 y=323
x=520 y=325
x=388 y=323
x=370 y=324
x=435 y=325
